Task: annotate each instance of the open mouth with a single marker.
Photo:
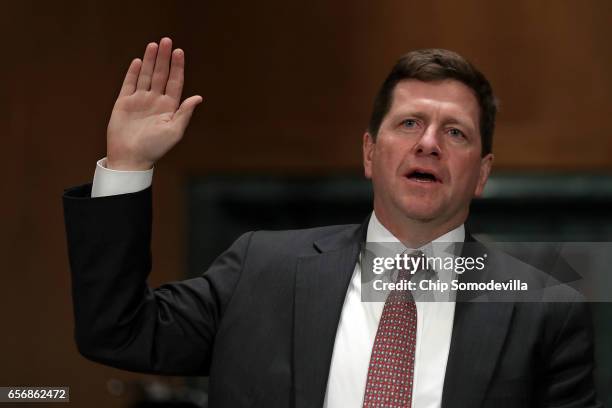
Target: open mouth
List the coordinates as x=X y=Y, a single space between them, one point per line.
x=423 y=177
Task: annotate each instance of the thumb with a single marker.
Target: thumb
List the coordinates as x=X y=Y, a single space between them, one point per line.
x=183 y=114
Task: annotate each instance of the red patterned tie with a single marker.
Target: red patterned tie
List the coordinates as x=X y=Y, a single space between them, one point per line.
x=391 y=368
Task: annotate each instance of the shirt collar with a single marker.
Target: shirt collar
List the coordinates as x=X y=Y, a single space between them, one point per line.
x=378 y=233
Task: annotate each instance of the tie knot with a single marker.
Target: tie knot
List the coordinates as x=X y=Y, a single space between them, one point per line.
x=414 y=263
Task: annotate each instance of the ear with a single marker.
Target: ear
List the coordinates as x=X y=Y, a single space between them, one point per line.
x=368 y=151
x=486 y=163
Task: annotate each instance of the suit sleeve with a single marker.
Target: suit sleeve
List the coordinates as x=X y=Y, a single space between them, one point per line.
x=568 y=379
x=119 y=320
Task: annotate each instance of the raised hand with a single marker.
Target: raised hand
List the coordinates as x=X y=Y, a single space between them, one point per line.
x=148 y=118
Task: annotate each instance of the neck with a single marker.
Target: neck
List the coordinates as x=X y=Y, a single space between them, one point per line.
x=416 y=233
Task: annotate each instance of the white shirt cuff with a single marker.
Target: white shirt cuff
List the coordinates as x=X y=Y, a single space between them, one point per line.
x=107 y=182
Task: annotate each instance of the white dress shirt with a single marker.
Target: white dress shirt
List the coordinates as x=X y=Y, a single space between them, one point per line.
x=357 y=330
x=107 y=182
x=358 y=320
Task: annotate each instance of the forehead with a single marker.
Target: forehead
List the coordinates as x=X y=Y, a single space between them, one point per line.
x=449 y=97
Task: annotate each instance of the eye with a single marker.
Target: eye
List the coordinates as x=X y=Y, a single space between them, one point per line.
x=409 y=123
x=456 y=133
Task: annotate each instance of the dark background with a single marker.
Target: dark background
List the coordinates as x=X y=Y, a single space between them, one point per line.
x=288 y=88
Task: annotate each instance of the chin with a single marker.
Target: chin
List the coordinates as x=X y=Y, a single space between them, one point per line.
x=422 y=213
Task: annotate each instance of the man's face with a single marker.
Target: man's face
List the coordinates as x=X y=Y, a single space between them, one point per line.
x=426 y=163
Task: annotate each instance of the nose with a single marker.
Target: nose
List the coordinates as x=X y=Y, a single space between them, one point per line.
x=428 y=144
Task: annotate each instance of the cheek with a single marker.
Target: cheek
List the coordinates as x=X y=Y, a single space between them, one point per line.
x=382 y=162
x=471 y=183
x=390 y=156
x=466 y=176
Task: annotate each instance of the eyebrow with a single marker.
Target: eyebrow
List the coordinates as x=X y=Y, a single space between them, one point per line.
x=447 y=120
x=455 y=121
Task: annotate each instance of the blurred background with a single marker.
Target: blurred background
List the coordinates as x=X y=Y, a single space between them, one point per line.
x=288 y=88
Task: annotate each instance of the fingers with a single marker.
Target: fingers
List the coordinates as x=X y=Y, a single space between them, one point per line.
x=146 y=71
x=183 y=114
x=161 y=70
x=131 y=78
x=174 y=88
x=162 y=66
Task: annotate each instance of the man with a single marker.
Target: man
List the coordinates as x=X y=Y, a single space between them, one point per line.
x=277 y=320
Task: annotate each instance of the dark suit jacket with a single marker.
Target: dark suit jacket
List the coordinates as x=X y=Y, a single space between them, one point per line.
x=261 y=321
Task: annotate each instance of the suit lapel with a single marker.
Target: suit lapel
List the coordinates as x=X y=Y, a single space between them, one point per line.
x=479 y=331
x=321 y=283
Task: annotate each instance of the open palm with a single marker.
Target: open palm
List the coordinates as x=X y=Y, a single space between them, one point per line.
x=148 y=118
